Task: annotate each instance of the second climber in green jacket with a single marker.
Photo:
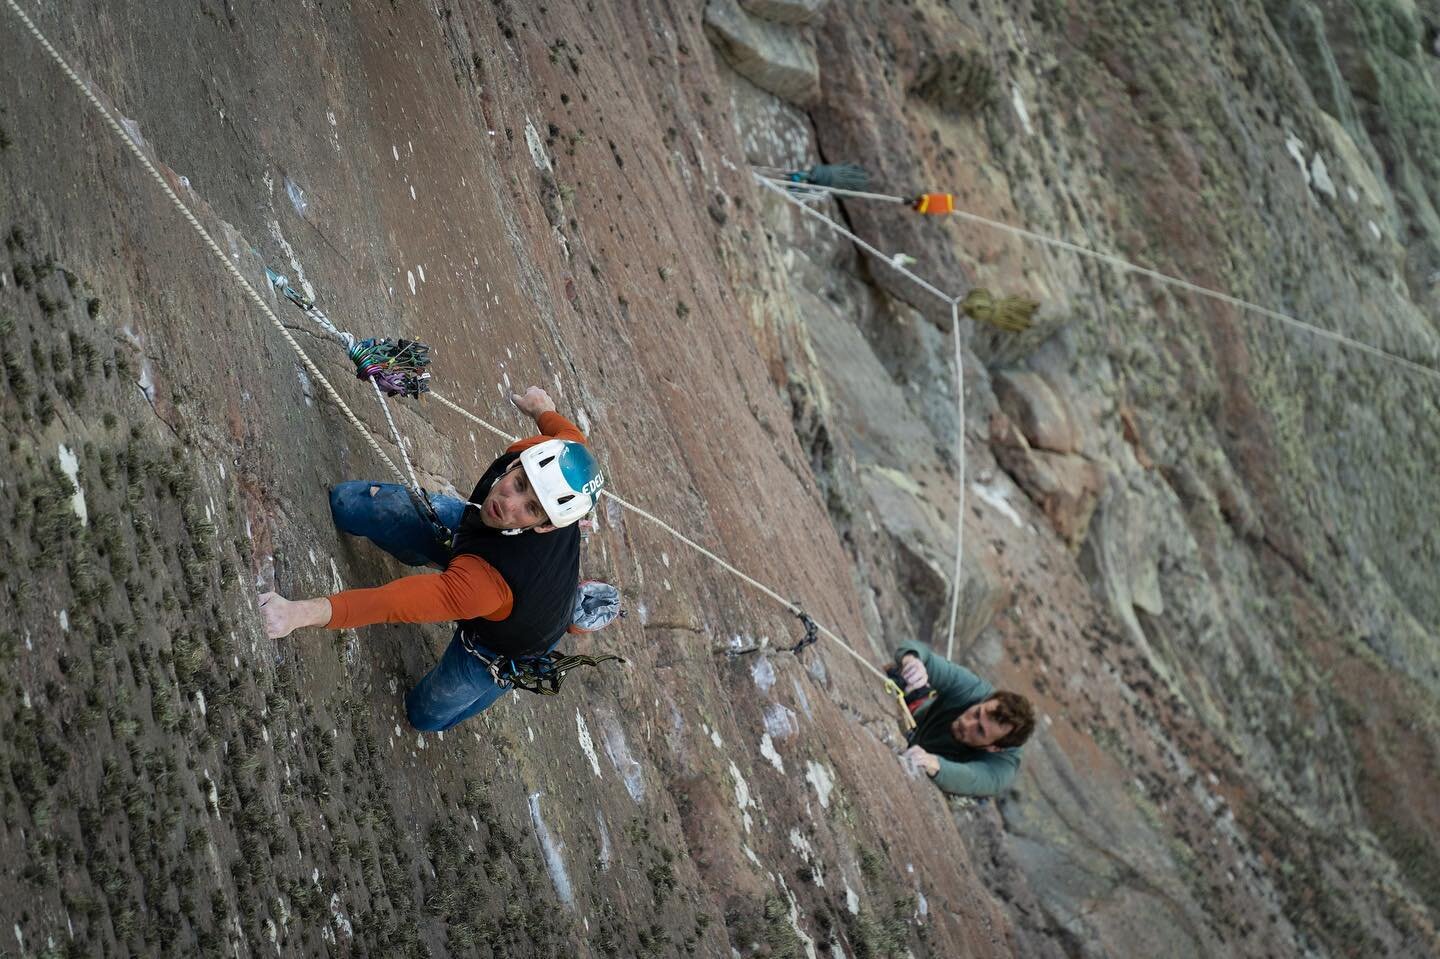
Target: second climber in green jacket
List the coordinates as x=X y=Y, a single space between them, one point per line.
x=967 y=736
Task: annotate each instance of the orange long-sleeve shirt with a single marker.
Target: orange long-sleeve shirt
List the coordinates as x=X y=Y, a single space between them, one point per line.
x=468 y=588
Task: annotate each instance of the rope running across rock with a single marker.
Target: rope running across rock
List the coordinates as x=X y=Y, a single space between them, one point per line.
x=1125 y=265
x=954 y=303
x=329 y=388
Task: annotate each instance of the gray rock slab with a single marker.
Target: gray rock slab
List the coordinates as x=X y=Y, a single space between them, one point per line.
x=785 y=11
x=774 y=57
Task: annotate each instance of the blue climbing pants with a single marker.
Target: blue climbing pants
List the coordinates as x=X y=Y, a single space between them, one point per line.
x=459 y=686
x=392 y=520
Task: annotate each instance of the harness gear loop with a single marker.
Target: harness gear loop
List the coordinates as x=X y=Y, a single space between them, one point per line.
x=398 y=368
x=541 y=674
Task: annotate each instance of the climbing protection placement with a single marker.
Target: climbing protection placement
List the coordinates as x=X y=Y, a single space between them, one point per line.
x=1012 y=314
x=397 y=368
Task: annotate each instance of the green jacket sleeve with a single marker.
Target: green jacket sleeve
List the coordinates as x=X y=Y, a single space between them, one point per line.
x=989 y=776
x=948 y=679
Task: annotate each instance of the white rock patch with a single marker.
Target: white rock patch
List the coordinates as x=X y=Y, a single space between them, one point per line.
x=70 y=464
x=1320 y=177
x=554 y=861
x=1017 y=100
x=618 y=752
x=603 y=860
x=742 y=796
x=819 y=776
x=587 y=745
x=767 y=749
x=763 y=672
x=996 y=498
x=780 y=722
x=1296 y=148
x=537 y=147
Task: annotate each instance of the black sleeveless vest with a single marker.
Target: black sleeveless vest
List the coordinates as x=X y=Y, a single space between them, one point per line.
x=542 y=570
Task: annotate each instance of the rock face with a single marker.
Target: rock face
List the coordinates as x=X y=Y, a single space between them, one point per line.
x=775 y=56
x=957 y=82
x=1203 y=542
x=1037 y=410
x=1064 y=486
x=1203 y=478
x=785 y=11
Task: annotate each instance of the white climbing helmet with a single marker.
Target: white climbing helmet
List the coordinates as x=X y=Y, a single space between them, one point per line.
x=565 y=477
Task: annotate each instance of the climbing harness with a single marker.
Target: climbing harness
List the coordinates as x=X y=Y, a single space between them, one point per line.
x=916 y=698
x=541 y=674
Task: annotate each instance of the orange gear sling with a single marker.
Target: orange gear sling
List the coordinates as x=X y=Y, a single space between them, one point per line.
x=935 y=204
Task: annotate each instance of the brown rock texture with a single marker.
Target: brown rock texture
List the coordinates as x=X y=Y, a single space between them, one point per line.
x=1204 y=542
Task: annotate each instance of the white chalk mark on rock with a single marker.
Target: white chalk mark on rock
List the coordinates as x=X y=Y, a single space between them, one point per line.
x=767 y=749
x=554 y=861
x=819 y=776
x=587 y=745
x=70 y=465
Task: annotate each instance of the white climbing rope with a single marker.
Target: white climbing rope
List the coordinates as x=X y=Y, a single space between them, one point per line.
x=472 y=417
x=788 y=604
x=1125 y=265
x=960 y=469
x=399 y=440
x=209 y=241
x=888 y=260
x=954 y=303
x=339 y=335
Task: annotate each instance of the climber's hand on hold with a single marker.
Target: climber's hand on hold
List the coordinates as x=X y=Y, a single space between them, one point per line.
x=533 y=403
x=913 y=672
x=923 y=760
x=283 y=616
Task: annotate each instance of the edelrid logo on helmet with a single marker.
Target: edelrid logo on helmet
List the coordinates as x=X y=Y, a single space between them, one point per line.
x=580 y=470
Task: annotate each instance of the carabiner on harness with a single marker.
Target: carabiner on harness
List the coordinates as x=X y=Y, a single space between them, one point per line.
x=541 y=674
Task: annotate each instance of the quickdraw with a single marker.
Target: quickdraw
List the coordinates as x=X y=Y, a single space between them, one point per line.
x=812 y=632
x=444 y=535
x=396 y=367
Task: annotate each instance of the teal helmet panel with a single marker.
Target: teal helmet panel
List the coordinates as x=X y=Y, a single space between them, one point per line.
x=580 y=470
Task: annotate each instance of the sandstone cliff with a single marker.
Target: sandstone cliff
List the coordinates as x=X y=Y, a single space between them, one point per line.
x=1203 y=541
